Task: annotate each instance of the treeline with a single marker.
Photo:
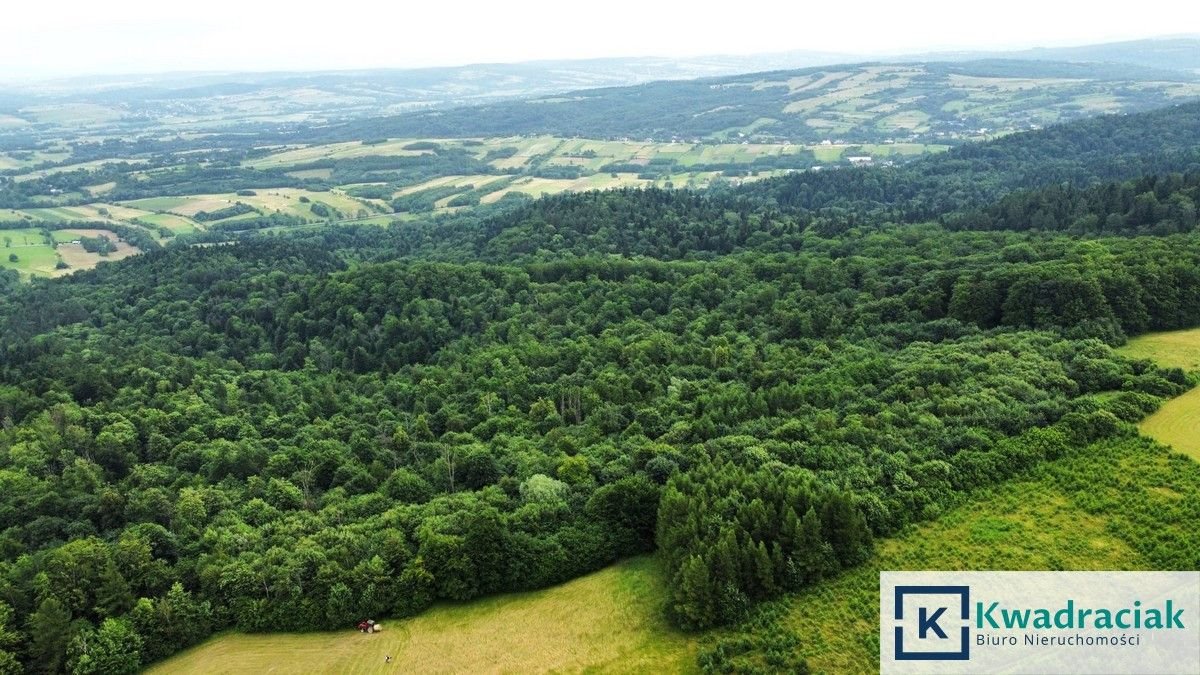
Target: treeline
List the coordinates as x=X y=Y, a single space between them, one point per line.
x=1155 y=204
x=957 y=187
x=200 y=179
x=132 y=235
x=236 y=209
x=972 y=176
x=260 y=222
x=402 y=170
x=69 y=187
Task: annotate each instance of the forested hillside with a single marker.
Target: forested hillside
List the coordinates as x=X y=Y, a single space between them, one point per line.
x=293 y=432
x=866 y=102
x=1067 y=172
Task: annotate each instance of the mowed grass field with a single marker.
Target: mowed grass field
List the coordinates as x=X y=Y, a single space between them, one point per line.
x=1177 y=423
x=35 y=257
x=1174 y=349
x=610 y=621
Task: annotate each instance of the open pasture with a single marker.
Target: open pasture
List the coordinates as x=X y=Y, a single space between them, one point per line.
x=1177 y=423
x=610 y=621
x=1174 y=349
x=35 y=256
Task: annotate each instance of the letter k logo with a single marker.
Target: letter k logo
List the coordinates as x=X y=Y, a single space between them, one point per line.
x=929 y=615
x=925 y=623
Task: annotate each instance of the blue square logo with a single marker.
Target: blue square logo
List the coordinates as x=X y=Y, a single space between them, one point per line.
x=936 y=623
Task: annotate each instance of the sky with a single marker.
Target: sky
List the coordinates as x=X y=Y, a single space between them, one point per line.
x=64 y=38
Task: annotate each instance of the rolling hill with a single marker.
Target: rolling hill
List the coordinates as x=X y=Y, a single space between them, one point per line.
x=1166 y=53
x=867 y=102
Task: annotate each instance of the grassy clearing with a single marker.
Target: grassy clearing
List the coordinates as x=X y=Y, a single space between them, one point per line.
x=1177 y=422
x=536 y=187
x=449 y=181
x=320 y=174
x=908 y=120
x=102 y=188
x=29 y=236
x=610 y=621
x=73 y=114
x=32 y=157
x=1178 y=349
x=59 y=214
x=35 y=256
x=1124 y=505
x=32 y=261
x=13 y=216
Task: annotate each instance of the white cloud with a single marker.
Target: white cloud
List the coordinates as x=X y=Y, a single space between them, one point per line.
x=66 y=38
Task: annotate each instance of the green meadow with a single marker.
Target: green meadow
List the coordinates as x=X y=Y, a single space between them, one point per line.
x=1177 y=423
x=35 y=257
x=607 y=622
x=1125 y=504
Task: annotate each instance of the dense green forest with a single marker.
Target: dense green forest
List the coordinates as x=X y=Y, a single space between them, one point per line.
x=294 y=432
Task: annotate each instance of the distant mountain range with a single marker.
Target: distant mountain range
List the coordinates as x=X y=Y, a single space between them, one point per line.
x=924 y=102
x=1168 y=53
x=220 y=101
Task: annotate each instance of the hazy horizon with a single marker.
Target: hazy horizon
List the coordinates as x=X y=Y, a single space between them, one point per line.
x=136 y=37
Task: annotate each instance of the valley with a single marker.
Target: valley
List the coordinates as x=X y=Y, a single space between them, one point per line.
x=628 y=365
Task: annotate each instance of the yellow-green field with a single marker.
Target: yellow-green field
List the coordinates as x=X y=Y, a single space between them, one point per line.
x=1024 y=525
x=1175 y=349
x=35 y=257
x=1177 y=423
x=610 y=621
x=1124 y=504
